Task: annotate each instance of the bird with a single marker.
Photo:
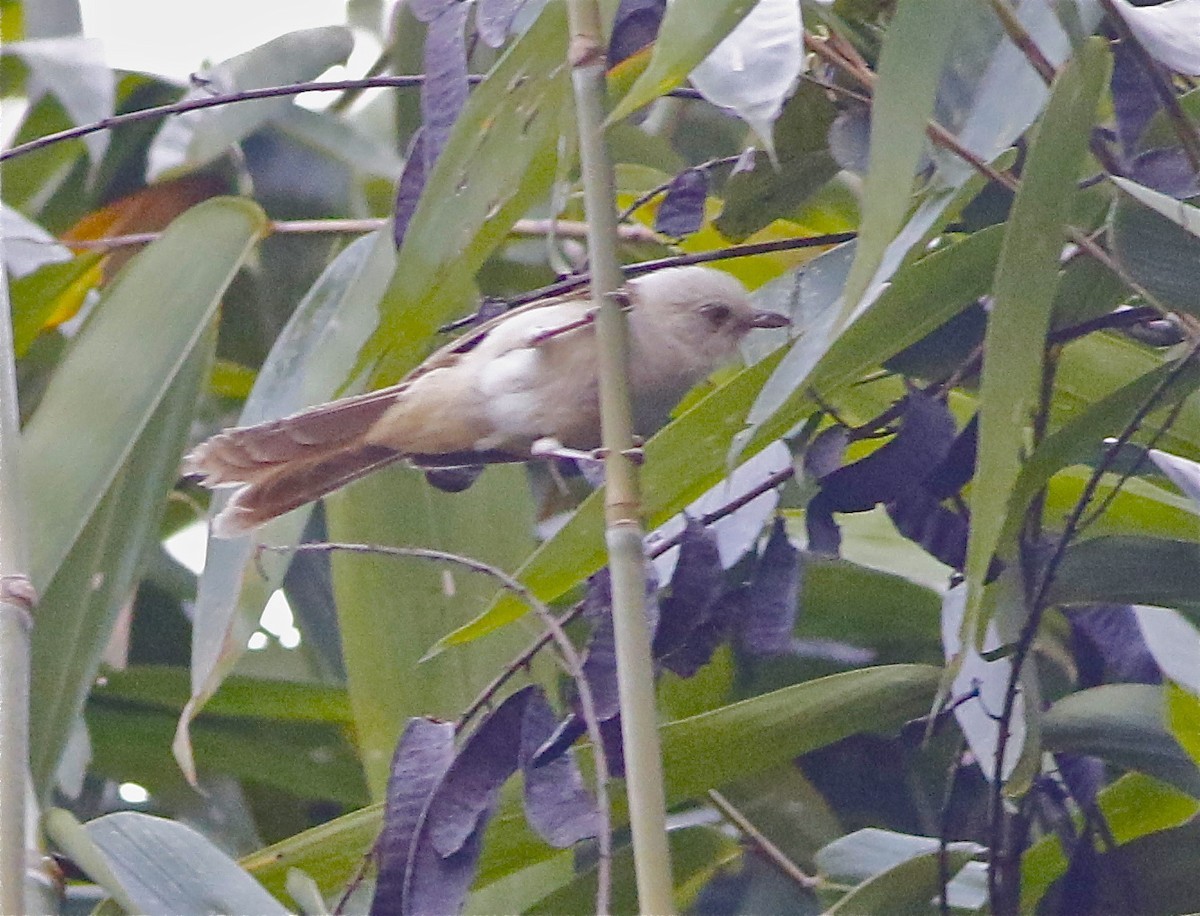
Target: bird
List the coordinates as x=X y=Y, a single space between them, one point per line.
x=520 y=386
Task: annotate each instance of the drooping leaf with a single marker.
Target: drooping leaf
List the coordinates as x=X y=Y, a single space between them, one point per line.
x=1173 y=642
x=409 y=187
x=423 y=755
x=635 y=26
x=557 y=804
x=444 y=91
x=98 y=388
x=682 y=209
x=1123 y=724
x=773 y=596
x=1107 y=646
x=447 y=845
x=910 y=64
x=163 y=866
x=1170 y=32
x=695 y=586
x=1155 y=240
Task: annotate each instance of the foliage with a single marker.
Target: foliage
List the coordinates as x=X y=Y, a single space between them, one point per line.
x=926 y=600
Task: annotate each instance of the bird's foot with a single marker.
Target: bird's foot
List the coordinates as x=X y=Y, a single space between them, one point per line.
x=549 y=447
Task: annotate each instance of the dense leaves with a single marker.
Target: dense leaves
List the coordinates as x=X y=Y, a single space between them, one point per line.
x=927 y=562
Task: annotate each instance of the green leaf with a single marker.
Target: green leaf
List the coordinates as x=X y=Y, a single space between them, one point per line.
x=1123 y=724
x=1025 y=285
x=115 y=375
x=166 y=688
x=910 y=884
x=392 y=609
x=1133 y=806
x=700 y=752
x=501 y=158
x=1129 y=570
x=198 y=137
x=76 y=615
x=1183 y=718
x=1155 y=240
x=306 y=365
x=754 y=198
x=55 y=289
x=162 y=866
x=910 y=65
x=715 y=747
x=1080 y=438
x=686 y=36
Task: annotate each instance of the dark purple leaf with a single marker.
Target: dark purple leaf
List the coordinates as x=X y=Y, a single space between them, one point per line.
x=493 y=19
x=1134 y=100
x=445 y=90
x=958 y=467
x=697 y=650
x=557 y=805
x=488 y=757
x=682 y=209
x=453 y=480
x=1078 y=885
x=614 y=746
x=772 y=597
x=436 y=884
x=429 y=10
x=1084 y=776
x=921 y=519
x=600 y=667
x=695 y=584
x=1108 y=646
x=925 y=436
x=422 y=756
x=1166 y=170
x=824 y=535
x=825 y=453
x=634 y=26
x=566 y=733
x=409 y=188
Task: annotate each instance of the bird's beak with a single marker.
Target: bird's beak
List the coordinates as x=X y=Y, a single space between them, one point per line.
x=765 y=319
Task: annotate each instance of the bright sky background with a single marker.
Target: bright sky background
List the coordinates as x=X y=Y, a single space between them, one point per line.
x=174 y=40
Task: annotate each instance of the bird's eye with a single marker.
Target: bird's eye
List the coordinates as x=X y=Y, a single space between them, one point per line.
x=717 y=313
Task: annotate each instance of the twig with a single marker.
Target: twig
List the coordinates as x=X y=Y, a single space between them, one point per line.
x=1020 y=37
x=774 y=854
x=570 y=660
x=569 y=228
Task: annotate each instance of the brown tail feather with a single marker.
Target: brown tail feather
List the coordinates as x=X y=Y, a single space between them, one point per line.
x=248 y=455
x=293 y=484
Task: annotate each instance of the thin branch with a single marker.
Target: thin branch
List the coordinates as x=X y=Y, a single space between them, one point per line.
x=758 y=839
x=570 y=660
x=1020 y=37
x=529 y=227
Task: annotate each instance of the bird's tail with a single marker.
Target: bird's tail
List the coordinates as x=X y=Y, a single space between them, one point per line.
x=283 y=464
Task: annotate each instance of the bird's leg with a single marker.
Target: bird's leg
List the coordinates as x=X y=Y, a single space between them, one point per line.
x=549 y=447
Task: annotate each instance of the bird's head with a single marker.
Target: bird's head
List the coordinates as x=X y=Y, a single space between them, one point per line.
x=701 y=312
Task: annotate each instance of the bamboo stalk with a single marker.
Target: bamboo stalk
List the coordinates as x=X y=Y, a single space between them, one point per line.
x=626 y=557
x=16 y=603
